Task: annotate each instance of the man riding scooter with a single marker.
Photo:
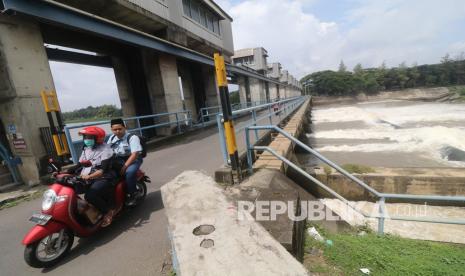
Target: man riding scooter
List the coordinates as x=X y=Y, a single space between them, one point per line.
x=128 y=150
x=98 y=172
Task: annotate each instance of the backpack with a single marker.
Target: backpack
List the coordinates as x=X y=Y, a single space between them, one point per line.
x=142 y=139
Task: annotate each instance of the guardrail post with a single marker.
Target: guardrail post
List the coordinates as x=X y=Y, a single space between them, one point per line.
x=381 y=216
x=71 y=146
x=177 y=123
x=254 y=116
x=201 y=116
x=249 y=151
x=189 y=116
x=222 y=138
x=138 y=126
x=270 y=115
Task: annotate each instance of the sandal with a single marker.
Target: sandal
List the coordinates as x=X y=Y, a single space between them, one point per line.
x=108 y=218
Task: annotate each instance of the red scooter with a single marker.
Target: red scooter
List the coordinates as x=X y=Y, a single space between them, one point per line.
x=65 y=215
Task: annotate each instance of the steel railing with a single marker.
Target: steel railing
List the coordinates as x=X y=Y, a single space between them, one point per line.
x=208 y=114
x=177 y=119
x=381 y=196
x=280 y=108
x=11 y=162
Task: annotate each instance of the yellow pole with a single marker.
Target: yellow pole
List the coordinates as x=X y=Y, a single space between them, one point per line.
x=230 y=134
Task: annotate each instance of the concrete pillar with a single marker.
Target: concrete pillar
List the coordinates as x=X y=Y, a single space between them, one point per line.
x=188 y=89
x=267 y=91
x=163 y=85
x=24 y=73
x=211 y=89
x=123 y=82
x=285 y=92
x=257 y=90
x=244 y=89
x=273 y=91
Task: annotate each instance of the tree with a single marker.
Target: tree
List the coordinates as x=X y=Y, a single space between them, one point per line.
x=381 y=75
x=342 y=67
x=413 y=75
x=358 y=70
x=445 y=76
x=372 y=80
x=402 y=77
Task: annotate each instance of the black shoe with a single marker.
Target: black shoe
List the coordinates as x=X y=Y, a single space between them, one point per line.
x=131 y=199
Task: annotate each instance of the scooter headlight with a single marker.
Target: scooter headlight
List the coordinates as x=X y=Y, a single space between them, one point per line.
x=49 y=198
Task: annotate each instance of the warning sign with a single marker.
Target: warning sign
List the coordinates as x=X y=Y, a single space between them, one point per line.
x=19 y=143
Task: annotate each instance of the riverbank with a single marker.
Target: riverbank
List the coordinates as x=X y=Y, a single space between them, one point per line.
x=436 y=94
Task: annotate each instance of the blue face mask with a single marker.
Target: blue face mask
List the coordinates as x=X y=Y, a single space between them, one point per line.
x=89 y=142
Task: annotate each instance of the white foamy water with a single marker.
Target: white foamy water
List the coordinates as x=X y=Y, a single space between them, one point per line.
x=406 y=113
x=394 y=126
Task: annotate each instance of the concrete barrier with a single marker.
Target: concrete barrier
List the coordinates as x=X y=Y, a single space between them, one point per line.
x=281 y=144
x=417 y=181
x=208 y=238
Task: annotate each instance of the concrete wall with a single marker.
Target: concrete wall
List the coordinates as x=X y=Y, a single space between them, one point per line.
x=274 y=70
x=244 y=89
x=163 y=85
x=257 y=90
x=273 y=91
x=259 y=56
x=211 y=89
x=25 y=72
x=165 y=19
x=123 y=83
x=404 y=183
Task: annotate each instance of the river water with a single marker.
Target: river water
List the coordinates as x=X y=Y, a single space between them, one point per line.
x=390 y=133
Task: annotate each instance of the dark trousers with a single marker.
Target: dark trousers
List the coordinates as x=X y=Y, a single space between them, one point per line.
x=100 y=194
x=131 y=173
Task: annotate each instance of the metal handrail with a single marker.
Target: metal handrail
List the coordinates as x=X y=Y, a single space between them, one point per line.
x=205 y=113
x=286 y=107
x=11 y=162
x=382 y=196
x=183 y=116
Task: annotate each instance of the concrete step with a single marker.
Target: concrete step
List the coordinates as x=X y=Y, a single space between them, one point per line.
x=10 y=187
x=5 y=178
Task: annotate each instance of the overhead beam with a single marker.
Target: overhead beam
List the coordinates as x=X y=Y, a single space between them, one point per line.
x=78 y=58
x=56 y=13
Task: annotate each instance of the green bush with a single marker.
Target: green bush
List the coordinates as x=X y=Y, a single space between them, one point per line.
x=356 y=168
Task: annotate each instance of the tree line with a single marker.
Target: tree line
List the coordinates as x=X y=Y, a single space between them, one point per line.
x=99 y=112
x=373 y=80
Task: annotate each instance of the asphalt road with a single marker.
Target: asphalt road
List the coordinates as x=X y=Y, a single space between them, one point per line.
x=137 y=242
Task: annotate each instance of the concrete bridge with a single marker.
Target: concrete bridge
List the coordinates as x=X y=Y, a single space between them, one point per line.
x=158 y=49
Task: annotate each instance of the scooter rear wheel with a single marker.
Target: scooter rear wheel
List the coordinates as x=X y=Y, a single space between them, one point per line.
x=46 y=252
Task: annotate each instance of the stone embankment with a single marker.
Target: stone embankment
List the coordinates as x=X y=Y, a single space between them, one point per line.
x=437 y=94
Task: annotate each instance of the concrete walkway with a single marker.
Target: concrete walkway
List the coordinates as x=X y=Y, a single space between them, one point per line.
x=136 y=243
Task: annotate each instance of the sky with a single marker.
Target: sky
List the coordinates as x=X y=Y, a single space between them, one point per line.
x=311 y=35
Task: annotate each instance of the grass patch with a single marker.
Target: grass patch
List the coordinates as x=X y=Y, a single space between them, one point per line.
x=356 y=168
x=459 y=90
x=386 y=255
x=327 y=169
x=17 y=201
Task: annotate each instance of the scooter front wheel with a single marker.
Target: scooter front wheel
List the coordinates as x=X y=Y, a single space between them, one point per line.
x=49 y=250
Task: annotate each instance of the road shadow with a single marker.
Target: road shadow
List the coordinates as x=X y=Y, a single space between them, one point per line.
x=129 y=219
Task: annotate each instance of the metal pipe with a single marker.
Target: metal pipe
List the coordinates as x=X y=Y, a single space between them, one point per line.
x=304 y=173
x=321 y=157
x=381 y=216
x=222 y=139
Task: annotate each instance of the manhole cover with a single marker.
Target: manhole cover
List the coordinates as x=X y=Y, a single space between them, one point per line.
x=203 y=230
x=207 y=243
